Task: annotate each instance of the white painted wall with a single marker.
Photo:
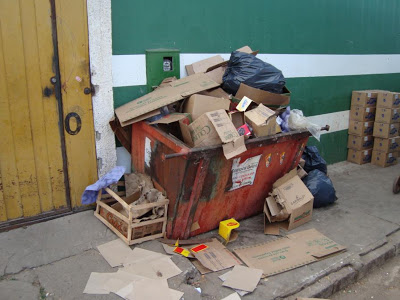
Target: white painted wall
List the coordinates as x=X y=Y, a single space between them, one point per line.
x=100 y=53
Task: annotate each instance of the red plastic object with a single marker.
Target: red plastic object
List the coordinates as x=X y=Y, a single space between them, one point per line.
x=197 y=180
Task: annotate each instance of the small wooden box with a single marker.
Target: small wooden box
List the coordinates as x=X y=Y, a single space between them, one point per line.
x=108 y=210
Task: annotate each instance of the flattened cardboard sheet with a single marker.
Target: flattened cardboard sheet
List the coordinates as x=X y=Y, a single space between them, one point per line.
x=177 y=90
x=95 y=283
x=290 y=252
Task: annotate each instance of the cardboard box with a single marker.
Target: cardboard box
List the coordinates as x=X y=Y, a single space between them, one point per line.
x=264 y=97
x=360 y=142
x=362 y=114
x=387 y=115
x=364 y=98
x=176 y=90
x=388 y=100
x=361 y=128
x=384 y=159
x=290 y=204
x=290 y=252
x=214 y=128
x=387 y=145
x=359 y=156
x=386 y=130
x=202 y=65
x=198 y=105
x=214 y=67
x=262 y=120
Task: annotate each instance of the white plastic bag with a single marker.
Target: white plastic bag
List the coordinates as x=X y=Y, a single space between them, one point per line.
x=298 y=121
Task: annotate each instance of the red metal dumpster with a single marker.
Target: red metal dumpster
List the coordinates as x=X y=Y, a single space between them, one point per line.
x=203 y=187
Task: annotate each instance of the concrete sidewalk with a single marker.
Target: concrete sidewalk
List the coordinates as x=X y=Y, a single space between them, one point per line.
x=55 y=258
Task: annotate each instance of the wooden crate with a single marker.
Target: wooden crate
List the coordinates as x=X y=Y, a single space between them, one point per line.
x=125 y=227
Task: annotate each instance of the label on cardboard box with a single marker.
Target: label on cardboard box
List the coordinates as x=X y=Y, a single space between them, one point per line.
x=244 y=173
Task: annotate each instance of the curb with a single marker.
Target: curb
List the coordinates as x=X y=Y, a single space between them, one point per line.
x=359 y=266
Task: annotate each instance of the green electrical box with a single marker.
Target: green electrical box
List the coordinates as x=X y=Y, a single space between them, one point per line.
x=160 y=64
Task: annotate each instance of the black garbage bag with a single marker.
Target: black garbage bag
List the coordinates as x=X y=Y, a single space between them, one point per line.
x=321 y=188
x=248 y=69
x=314 y=161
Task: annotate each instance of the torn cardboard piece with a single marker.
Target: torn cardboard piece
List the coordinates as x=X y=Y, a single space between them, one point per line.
x=171 y=118
x=177 y=90
x=216 y=257
x=198 y=105
x=115 y=252
x=290 y=203
x=243 y=278
x=214 y=128
x=290 y=252
x=217 y=92
x=264 y=97
x=120 y=279
x=263 y=121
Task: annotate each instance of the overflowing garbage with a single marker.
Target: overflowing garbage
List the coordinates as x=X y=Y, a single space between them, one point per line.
x=241 y=106
x=206 y=109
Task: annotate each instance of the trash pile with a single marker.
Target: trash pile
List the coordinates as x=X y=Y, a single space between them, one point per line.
x=230 y=103
x=220 y=102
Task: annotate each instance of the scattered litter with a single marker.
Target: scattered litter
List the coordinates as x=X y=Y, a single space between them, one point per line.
x=115 y=252
x=182 y=251
x=227 y=230
x=170 y=250
x=290 y=252
x=243 y=278
x=298 y=121
x=198 y=289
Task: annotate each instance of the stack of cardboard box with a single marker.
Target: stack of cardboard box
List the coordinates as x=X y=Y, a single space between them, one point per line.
x=386 y=130
x=361 y=125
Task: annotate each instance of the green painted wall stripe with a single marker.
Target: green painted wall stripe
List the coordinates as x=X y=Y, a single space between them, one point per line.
x=321 y=95
x=332 y=147
x=126 y=94
x=313 y=95
x=286 y=26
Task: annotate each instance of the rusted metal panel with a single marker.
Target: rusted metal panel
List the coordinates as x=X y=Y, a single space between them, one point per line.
x=198 y=180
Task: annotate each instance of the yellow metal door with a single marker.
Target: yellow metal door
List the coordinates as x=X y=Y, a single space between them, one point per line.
x=47 y=153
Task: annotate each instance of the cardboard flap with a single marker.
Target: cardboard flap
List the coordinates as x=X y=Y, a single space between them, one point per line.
x=272 y=228
x=285 y=178
x=160 y=97
x=168 y=119
x=264 y=97
x=273 y=206
x=329 y=251
x=234 y=148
